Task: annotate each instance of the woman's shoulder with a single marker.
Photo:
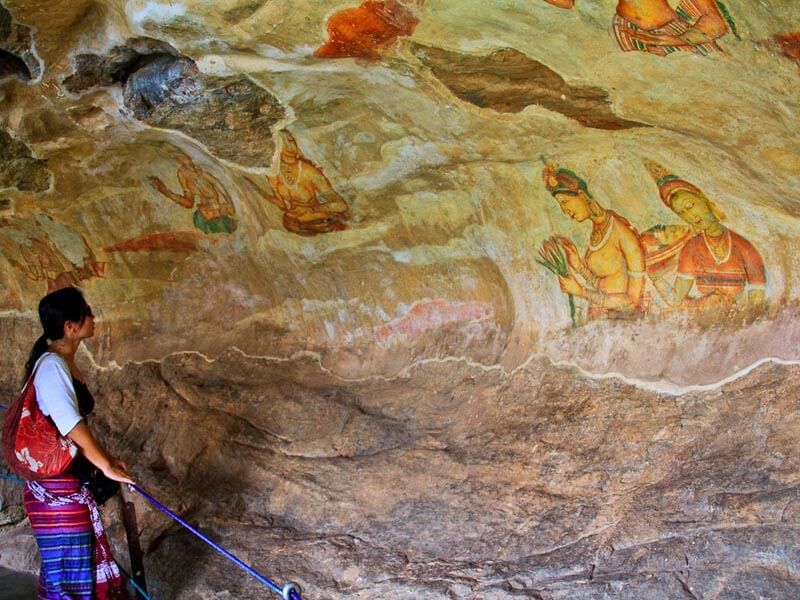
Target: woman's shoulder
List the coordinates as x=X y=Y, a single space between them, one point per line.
x=51 y=362
x=52 y=358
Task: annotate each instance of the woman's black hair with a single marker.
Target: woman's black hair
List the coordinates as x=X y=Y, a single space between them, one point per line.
x=55 y=309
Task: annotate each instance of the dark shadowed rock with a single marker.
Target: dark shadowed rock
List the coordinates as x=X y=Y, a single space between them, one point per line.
x=19 y=169
x=115 y=67
x=17 y=57
x=508 y=81
x=232 y=116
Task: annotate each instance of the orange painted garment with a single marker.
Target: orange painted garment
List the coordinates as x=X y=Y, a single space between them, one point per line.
x=365 y=31
x=740 y=268
x=688 y=14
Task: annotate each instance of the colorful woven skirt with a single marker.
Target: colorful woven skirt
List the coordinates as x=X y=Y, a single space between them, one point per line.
x=76 y=560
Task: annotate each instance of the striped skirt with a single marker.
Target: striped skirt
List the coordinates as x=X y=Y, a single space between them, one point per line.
x=76 y=560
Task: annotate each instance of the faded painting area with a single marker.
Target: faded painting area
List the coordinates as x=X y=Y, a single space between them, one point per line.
x=365 y=161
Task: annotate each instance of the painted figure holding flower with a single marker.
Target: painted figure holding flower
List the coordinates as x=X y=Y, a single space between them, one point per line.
x=610 y=274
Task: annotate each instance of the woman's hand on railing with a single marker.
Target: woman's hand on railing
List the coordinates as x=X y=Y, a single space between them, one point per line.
x=118 y=471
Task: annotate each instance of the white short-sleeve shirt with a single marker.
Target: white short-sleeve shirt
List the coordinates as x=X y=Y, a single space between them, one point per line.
x=55 y=392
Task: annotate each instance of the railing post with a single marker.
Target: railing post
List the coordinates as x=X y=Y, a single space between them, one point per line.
x=134 y=547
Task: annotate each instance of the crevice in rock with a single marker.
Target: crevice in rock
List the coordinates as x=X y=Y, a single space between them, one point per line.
x=17 y=54
x=508 y=81
x=11 y=64
x=232 y=116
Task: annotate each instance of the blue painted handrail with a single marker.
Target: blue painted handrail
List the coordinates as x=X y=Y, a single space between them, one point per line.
x=289 y=592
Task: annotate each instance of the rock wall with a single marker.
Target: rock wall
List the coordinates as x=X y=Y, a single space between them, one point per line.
x=424 y=299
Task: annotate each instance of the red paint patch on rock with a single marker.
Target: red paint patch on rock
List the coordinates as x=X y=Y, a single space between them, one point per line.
x=789 y=44
x=433 y=314
x=169 y=241
x=365 y=31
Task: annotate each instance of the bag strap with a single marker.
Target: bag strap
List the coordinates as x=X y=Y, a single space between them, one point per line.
x=33 y=372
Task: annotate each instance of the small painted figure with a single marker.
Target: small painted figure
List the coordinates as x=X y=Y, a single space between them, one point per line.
x=722 y=266
x=214 y=209
x=309 y=203
x=662 y=27
x=612 y=268
x=36 y=257
x=369 y=29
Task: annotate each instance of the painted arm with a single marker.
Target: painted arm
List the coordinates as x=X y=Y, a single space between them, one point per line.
x=575 y=260
x=756 y=275
x=325 y=194
x=186 y=199
x=276 y=197
x=111 y=467
x=675 y=293
x=226 y=204
x=561 y=3
x=712 y=24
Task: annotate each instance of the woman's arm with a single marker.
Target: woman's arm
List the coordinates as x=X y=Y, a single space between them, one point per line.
x=111 y=467
x=672 y=294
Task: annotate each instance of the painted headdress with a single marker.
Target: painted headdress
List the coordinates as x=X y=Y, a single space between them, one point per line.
x=563 y=181
x=667 y=182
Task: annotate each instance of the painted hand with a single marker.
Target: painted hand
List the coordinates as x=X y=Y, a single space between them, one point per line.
x=695 y=37
x=570 y=285
x=157 y=183
x=571 y=250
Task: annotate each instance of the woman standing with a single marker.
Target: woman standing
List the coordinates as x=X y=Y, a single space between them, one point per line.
x=76 y=560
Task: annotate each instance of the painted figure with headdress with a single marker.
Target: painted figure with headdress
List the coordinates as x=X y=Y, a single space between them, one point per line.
x=662 y=27
x=301 y=190
x=609 y=275
x=715 y=266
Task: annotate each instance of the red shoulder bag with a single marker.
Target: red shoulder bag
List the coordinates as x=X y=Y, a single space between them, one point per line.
x=32 y=445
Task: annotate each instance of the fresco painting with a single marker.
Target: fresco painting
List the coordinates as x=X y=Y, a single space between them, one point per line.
x=623 y=267
x=167 y=241
x=38 y=257
x=697 y=265
x=301 y=190
x=610 y=274
x=214 y=210
x=431 y=315
x=717 y=268
x=369 y=29
x=655 y=27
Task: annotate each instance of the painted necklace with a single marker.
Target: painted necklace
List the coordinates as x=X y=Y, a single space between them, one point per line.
x=289 y=181
x=719 y=251
x=604 y=235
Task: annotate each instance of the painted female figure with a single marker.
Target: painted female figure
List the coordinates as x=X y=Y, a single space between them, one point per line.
x=724 y=267
x=610 y=273
x=664 y=26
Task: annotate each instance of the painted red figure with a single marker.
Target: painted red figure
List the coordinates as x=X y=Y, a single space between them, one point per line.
x=367 y=30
